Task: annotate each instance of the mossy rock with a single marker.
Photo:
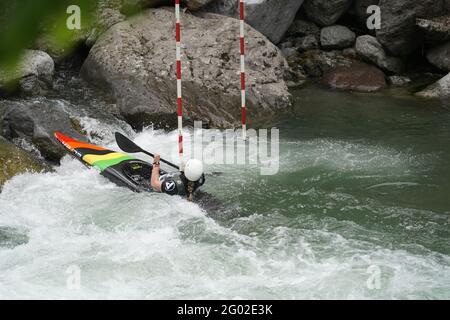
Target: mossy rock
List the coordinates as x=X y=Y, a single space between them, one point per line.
x=14 y=160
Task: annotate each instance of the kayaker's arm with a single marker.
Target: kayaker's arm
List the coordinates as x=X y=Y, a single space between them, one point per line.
x=155 y=183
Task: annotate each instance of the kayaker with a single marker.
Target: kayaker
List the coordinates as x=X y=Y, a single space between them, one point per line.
x=183 y=183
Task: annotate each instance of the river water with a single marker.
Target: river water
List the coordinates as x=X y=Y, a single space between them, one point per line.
x=360 y=209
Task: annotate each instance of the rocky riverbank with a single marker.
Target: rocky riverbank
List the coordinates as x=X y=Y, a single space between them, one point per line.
x=129 y=60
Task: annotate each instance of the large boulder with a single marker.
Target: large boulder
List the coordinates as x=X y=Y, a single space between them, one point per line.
x=35 y=121
x=136 y=61
x=435 y=30
x=369 y=49
x=337 y=37
x=326 y=12
x=358 y=77
x=398 y=31
x=16 y=161
x=438 y=90
x=440 y=56
x=360 y=9
x=270 y=17
x=32 y=75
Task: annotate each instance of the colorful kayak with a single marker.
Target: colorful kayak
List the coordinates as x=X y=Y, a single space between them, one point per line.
x=120 y=168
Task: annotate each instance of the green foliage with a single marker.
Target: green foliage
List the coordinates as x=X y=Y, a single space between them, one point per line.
x=23 y=21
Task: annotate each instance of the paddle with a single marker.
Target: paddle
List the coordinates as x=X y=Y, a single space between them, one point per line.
x=129 y=146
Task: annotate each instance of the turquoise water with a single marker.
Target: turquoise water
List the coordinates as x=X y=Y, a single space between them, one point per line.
x=360 y=209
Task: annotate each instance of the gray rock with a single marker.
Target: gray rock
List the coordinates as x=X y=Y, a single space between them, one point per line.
x=193 y=5
x=33 y=74
x=438 y=90
x=337 y=37
x=435 y=30
x=399 y=81
x=360 y=9
x=306 y=43
x=326 y=12
x=398 y=31
x=104 y=14
x=135 y=60
x=302 y=28
x=36 y=121
x=289 y=52
x=142 y=3
x=440 y=56
x=316 y=62
x=270 y=17
x=358 y=77
x=196 y=4
x=350 y=53
x=369 y=49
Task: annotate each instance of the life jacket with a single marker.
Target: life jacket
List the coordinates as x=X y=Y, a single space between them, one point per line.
x=175 y=183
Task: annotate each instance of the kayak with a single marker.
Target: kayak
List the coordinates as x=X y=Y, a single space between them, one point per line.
x=120 y=168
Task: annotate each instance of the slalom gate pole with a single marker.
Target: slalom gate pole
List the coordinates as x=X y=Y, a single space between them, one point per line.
x=242 y=51
x=179 y=90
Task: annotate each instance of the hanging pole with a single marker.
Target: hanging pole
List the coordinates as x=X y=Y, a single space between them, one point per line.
x=179 y=90
x=243 y=85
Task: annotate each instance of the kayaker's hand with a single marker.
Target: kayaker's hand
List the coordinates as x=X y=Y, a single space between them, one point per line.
x=157 y=158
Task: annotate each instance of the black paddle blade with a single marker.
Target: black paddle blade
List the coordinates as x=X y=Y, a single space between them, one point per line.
x=129 y=146
x=126 y=144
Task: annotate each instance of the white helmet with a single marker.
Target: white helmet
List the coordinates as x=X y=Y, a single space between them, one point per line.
x=193 y=170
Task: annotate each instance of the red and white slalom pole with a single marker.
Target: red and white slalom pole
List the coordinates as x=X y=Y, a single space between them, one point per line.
x=179 y=91
x=242 y=50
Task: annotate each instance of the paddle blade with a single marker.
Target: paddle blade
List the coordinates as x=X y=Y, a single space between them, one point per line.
x=126 y=144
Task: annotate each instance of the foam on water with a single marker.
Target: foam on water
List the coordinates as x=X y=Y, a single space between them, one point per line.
x=129 y=245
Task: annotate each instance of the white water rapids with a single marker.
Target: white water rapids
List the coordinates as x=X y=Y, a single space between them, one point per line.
x=152 y=246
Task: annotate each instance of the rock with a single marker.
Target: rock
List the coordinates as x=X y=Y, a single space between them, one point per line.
x=301 y=36
x=270 y=17
x=435 y=30
x=337 y=37
x=326 y=12
x=135 y=60
x=316 y=62
x=33 y=74
x=438 y=90
x=290 y=53
x=350 y=53
x=306 y=43
x=100 y=15
x=369 y=49
x=12 y=237
x=360 y=9
x=142 y=4
x=359 y=77
x=36 y=121
x=15 y=161
x=440 y=56
x=302 y=28
x=194 y=5
x=398 y=27
x=399 y=81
